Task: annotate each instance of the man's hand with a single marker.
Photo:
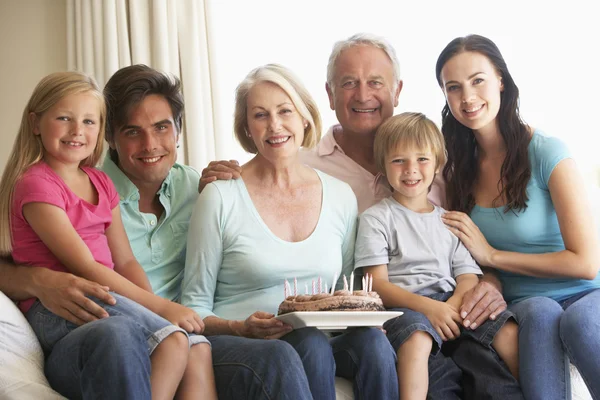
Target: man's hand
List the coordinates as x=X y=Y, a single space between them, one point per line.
x=219 y=170
x=480 y=303
x=66 y=296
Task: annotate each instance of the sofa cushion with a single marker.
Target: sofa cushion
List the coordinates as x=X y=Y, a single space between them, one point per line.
x=21 y=357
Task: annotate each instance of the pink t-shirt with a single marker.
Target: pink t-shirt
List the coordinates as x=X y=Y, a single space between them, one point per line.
x=40 y=184
x=369 y=189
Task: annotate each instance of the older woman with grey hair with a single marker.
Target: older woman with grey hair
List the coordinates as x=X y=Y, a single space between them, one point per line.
x=281 y=220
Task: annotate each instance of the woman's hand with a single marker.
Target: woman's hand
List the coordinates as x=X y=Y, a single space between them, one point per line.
x=183 y=317
x=262 y=325
x=465 y=229
x=480 y=303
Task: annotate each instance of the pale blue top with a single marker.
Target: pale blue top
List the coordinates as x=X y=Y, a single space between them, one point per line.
x=235 y=265
x=421 y=253
x=159 y=244
x=534 y=230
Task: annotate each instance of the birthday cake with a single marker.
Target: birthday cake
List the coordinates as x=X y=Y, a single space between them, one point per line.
x=340 y=300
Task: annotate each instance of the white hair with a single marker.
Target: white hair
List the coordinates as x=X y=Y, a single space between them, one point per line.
x=362 y=39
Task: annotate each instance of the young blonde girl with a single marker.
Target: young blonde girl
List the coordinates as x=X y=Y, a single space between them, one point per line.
x=419 y=266
x=59 y=212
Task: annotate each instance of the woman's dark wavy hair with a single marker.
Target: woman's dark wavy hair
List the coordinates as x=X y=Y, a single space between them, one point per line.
x=460 y=171
x=129 y=86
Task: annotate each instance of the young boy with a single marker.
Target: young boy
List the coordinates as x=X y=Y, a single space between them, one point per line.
x=418 y=265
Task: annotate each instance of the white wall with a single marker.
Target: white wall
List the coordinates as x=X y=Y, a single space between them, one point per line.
x=551 y=48
x=32 y=44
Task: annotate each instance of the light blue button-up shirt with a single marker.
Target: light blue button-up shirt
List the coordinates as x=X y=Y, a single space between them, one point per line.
x=159 y=244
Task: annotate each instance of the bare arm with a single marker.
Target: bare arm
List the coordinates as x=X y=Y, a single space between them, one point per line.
x=443 y=316
x=392 y=295
x=54 y=228
x=260 y=325
x=581 y=257
x=62 y=293
x=464 y=283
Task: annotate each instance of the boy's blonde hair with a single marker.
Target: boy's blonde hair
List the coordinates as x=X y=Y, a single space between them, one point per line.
x=291 y=85
x=28 y=148
x=408 y=129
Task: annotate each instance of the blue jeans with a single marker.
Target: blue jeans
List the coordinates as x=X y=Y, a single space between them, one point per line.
x=104 y=359
x=551 y=333
x=363 y=355
x=454 y=365
x=257 y=369
x=401 y=328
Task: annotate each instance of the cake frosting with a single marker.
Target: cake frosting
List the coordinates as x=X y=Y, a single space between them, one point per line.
x=341 y=300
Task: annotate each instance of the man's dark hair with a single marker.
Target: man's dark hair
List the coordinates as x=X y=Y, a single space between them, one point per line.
x=129 y=86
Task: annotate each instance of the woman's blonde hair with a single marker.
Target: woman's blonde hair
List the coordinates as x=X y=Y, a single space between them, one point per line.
x=290 y=84
x=28 y=148
x=408 y=129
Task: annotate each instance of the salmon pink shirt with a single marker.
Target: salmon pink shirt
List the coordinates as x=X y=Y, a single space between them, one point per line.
x=40 y=184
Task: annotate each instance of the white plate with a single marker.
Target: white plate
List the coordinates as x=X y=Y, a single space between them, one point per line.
x=337 y=320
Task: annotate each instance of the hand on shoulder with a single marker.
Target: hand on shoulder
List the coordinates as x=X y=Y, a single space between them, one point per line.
x=219 y=170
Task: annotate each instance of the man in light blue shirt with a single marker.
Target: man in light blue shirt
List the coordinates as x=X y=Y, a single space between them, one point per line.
x=158 y=243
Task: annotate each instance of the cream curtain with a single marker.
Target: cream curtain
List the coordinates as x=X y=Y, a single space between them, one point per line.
x=169 y=35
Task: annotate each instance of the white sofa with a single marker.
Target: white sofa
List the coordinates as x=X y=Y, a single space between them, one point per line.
x=22 y=374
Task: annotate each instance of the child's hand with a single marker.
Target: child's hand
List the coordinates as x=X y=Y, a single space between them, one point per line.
x=444 y=318
x=183 y=317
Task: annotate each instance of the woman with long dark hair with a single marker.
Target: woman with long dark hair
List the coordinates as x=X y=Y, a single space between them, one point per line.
x=519 y=208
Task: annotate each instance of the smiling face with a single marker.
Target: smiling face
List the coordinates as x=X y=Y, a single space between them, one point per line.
x=472 y=87
x=364 y=91
x=274 y=124
x=147 y=144
x=69 y=130
x=410 y=171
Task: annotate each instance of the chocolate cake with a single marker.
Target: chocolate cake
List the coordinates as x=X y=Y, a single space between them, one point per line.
x=341 y=300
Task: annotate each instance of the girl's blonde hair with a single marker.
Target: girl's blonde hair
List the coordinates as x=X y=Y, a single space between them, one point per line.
x=409 y=129
x=291 y=85
x=28 y=148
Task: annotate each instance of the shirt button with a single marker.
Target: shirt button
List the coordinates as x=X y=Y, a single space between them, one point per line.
x=153 y=222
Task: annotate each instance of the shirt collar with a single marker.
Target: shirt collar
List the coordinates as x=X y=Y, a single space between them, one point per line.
x=126 y=189
x=327 y=145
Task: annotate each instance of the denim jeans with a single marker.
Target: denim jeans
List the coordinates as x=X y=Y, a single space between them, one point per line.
x=257 y=369
x=363 y=355
x=50 y=328
x=104 y=359
x=550 y=333
x=463 y=368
